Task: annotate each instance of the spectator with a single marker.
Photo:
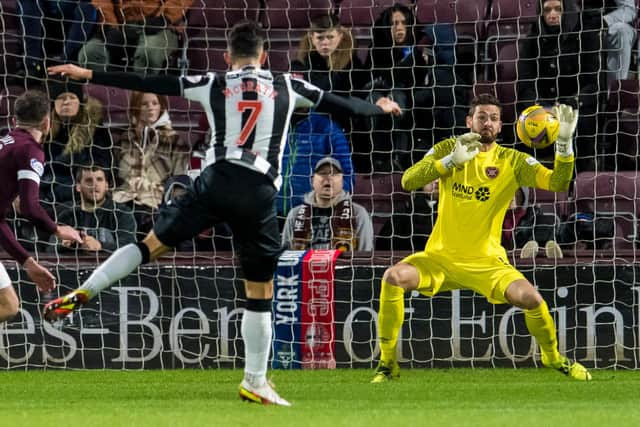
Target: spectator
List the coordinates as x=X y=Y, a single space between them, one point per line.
x=615 y=17
x=527 y=227
x=148 y=28
x=312 y=139
x=77 y=138
x=328 y=219
x=327 y=59
x=43 y=21
x=104 y=224
x=409 y=230
x=150 y=152
x=403 y=70
x=560 y=63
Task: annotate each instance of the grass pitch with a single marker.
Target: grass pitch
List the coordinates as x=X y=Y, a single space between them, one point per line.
x=421 y=397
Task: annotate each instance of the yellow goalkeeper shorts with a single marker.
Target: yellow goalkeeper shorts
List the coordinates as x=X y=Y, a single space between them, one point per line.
x=489 y=276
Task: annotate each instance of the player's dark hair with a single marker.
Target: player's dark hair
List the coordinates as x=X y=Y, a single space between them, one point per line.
x=484 y=99
x=31 y=108
x=245 y=39
x=82 y=169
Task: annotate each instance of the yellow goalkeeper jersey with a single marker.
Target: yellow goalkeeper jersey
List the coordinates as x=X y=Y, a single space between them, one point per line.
x=473 y=200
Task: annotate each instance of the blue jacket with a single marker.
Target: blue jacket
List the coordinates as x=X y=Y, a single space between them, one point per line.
x=313 y=138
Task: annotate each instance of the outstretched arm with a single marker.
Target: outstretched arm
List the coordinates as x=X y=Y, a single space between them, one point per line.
x=162 y=85
x=337 y=105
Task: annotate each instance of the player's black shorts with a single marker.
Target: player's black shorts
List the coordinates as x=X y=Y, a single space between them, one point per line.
x=242 y=198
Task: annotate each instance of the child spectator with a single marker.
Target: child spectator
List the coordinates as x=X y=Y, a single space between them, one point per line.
x=148 y=154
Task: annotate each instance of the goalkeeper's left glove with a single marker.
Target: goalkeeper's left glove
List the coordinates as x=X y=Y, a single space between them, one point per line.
x=568 y=118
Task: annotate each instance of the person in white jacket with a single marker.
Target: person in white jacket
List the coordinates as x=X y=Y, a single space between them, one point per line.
x=615 y=17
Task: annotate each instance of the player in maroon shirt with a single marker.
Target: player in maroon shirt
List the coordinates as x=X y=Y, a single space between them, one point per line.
x=21 y=165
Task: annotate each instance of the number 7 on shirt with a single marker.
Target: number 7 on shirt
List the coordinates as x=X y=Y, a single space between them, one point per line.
x=254 y=107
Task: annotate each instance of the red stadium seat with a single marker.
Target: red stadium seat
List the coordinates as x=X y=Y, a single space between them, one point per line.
x=467 y=16
x=11 y=42
x=379 y=192
x=295 y=13
x=381 y=195
x=508 y=22
x=207 y=25
x=549 y=201
x=612 y=194
x=624 y=95
x=115 y=102
x=619 y=140
x=363 y=13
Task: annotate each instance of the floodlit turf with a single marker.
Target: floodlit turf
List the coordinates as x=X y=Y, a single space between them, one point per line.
x=421 y=397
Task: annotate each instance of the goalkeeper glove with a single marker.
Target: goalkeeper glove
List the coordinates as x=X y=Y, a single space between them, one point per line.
x=568 y=119
x=466 y=148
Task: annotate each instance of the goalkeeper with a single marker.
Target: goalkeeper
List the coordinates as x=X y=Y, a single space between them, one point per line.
x=478 y=179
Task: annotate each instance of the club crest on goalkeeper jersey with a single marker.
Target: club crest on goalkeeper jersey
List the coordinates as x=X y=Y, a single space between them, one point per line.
x=473 y=200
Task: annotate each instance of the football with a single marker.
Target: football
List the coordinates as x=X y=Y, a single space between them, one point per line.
x=537 y=127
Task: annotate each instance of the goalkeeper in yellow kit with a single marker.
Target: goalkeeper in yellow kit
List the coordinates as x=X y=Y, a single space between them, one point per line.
x=478 y=179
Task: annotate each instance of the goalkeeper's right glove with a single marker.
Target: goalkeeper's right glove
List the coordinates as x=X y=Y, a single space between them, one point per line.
x=568 y=119
x=466 y=148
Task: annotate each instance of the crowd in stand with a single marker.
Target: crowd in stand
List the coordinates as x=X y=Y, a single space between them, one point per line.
x=109 y=182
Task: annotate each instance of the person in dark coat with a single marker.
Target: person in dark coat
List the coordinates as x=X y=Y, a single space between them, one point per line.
x=560 y=62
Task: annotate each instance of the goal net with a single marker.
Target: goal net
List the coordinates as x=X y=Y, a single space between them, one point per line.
x=577 y=247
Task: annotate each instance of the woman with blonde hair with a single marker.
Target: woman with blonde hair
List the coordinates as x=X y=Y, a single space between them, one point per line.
x=327 y=59
x=149 y=153
x=77 y=138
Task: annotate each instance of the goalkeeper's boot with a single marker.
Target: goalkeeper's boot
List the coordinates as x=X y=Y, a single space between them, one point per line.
x=574 y=370
x=386 y=371
x=264 y=394
x=61 y=307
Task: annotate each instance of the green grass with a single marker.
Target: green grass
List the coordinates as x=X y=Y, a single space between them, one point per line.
x=438 y=397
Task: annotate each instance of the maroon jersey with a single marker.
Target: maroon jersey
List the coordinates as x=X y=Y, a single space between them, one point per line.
x=21 y=165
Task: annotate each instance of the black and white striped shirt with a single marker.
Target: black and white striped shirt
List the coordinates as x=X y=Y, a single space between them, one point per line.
x=249 y=110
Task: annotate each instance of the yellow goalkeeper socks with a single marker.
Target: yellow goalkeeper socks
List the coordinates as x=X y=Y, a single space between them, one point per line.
x=390 y=318
x=540 y=325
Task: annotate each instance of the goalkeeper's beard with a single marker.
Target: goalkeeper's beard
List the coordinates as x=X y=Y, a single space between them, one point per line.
x=487 y=139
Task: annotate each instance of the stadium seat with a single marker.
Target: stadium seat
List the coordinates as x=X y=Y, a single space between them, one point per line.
x=381 y=195
x=207 y=24
x=613 y=195
x=508 y=22
x=10 y=36
x=619 y=141
x=624 y=95
x=468 y=18
x=8 y=95
x=295 y=13
x=550 y=201
x=363 y=13
x=115 y=102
